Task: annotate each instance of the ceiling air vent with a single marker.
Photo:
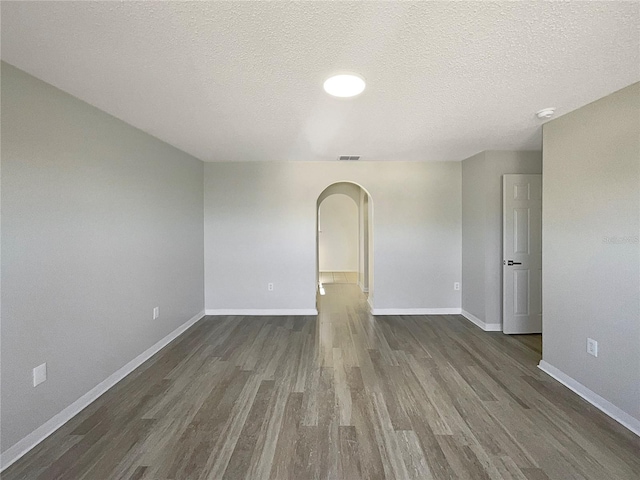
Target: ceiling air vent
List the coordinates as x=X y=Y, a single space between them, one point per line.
x=349 y=157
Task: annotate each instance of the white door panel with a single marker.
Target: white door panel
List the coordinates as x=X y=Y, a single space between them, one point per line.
x=522 y=254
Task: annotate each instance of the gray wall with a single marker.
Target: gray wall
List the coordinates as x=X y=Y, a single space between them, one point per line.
x=100 y=223
x=591 y=255
x=260 y=228
x=473 y=235
x=482 y=227
x=363 y=234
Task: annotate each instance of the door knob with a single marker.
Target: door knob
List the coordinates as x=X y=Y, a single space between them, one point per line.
x=511 y=262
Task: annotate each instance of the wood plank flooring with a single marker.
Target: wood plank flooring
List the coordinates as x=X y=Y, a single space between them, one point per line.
x=341 y=396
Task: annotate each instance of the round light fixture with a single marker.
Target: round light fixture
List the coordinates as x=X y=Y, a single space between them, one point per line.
x=344 y=85
x=546 y=112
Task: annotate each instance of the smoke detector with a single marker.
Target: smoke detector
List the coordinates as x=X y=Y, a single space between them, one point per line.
x=546 y=113
x=349 y=157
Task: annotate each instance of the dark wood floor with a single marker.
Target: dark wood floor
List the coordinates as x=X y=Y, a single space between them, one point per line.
x=343 y=396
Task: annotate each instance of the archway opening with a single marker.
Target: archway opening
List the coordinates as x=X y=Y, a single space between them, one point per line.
x=338 y=240
x=344 y=237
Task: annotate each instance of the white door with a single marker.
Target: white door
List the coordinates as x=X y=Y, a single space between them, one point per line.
x=522 y=253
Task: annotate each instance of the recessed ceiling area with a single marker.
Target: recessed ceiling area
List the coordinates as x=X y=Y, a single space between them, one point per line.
x=242 y=81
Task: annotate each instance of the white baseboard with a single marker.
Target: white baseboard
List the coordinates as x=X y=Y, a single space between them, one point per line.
x=338 y=271
x=364 y=290
x=370 y=303
x=262 y=311
x=54 y=423
x=487 y=327
x=593 y=398
x=415 y=311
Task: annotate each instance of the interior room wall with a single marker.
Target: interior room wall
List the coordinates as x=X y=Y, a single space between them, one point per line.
x=473 y=233
x=351 y=190
x=591 y=254
x=260 y=222
x=100 y=224
x=482 y=228
x=338 y=234
x=363 y=238
x=370 y=264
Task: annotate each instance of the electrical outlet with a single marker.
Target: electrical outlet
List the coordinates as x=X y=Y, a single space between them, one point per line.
x=592 y=347
x=270 y=287
x=156 y=312
x=456 y=286
x=39 y=374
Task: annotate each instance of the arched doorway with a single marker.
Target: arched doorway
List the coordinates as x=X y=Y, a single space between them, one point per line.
x=338 y=239
x=363 y=203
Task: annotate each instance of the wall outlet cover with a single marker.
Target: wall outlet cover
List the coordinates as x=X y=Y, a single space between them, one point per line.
x=39 y=374
x=592 y=347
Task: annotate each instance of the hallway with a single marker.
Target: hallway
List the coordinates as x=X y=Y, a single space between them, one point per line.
x=341 y=396
x=338 y=277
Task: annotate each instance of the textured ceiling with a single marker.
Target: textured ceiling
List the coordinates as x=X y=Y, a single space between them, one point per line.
x=229 y=81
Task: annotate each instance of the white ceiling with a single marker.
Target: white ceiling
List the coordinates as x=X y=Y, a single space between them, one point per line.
x=229 y=81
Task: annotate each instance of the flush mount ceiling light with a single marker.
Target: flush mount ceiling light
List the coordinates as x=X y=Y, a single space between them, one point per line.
x=546 y=112
x=344 y=85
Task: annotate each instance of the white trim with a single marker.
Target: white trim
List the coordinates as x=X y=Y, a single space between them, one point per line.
x=262 y=311
x=415 y=311
x=487 y=327
x=593 y=398
x=370 y=303
x=54 y=423
x=361 y=285
x=338 y=271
